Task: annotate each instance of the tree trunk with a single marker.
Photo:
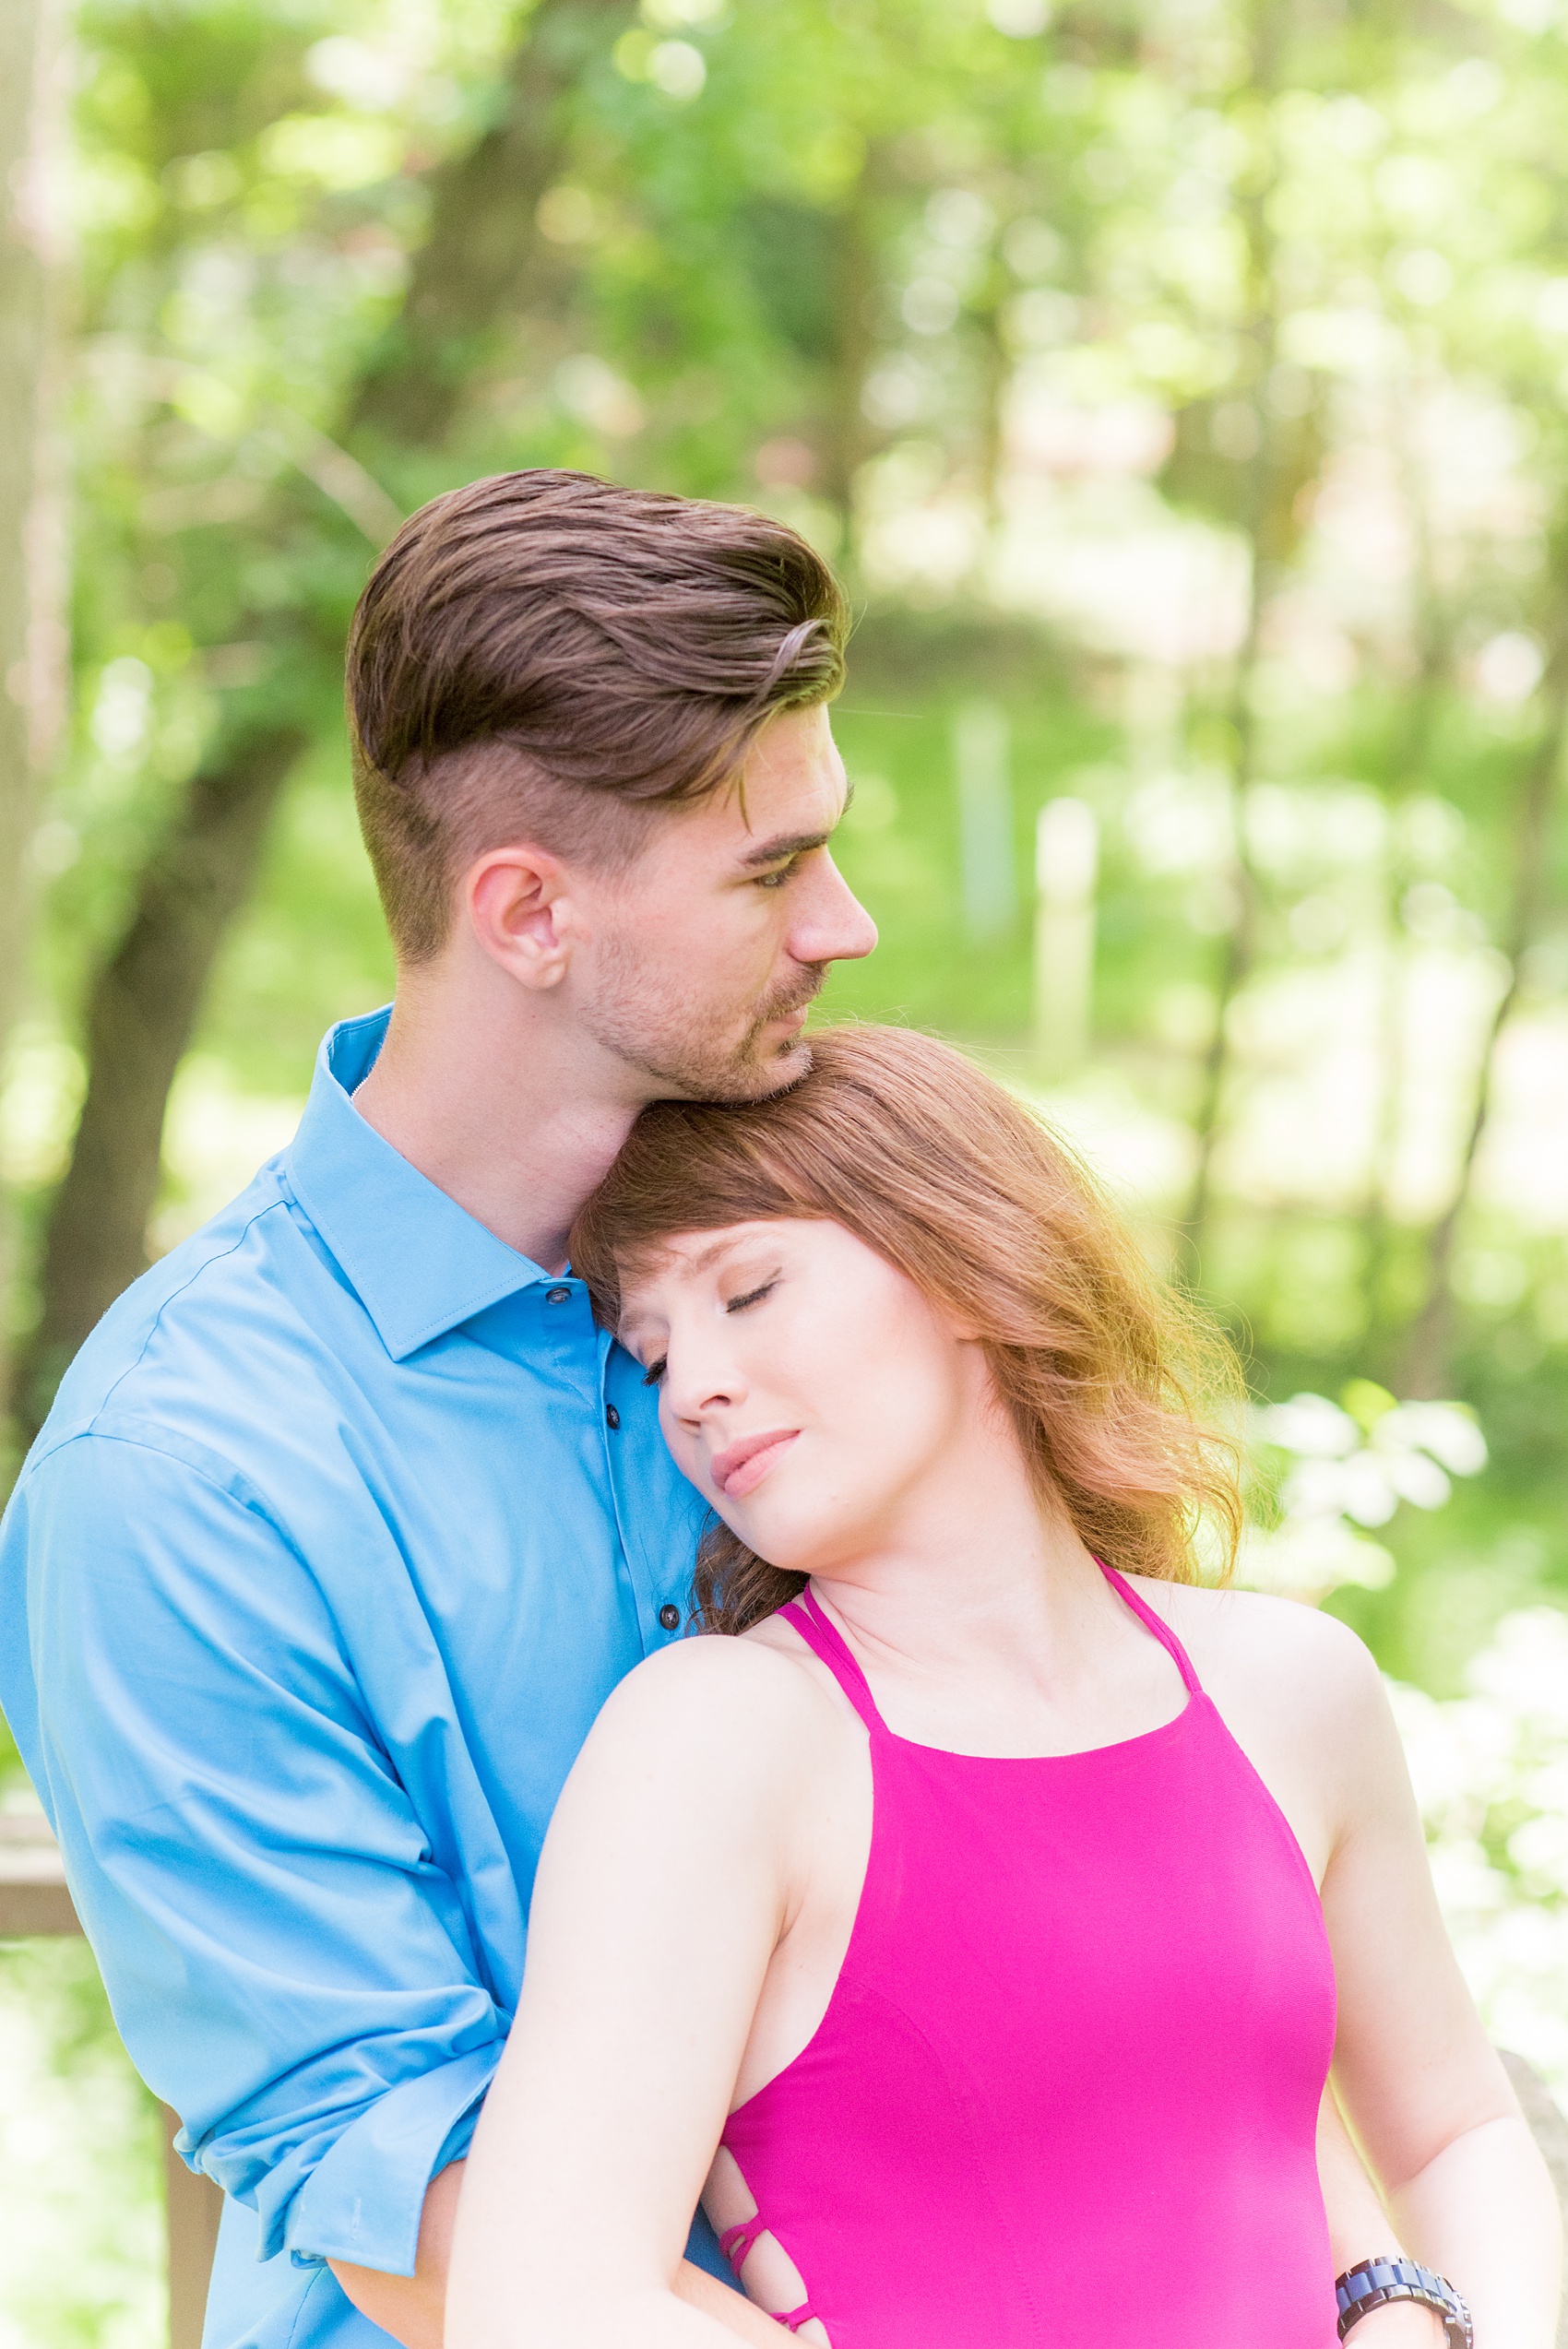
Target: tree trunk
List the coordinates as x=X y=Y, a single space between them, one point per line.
x=1239 y=951
x=1425 y=1369
x=1277 y=473
x=484 y=245
x=1435 y=651
x=145 y=1002
x=31 y=567
x=139 y=1021
x=846 y=441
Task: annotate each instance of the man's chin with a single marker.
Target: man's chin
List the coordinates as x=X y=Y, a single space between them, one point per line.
x=763 y=1072
x=766 y=1058
x=786 y=1066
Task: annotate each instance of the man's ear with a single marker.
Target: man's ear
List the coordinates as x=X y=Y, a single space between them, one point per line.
x=518 y=906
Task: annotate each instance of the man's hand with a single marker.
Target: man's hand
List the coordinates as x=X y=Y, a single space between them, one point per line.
x=412 y=2309
x=700 y=2290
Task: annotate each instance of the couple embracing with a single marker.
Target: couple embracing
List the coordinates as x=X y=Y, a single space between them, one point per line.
x=767 y=1465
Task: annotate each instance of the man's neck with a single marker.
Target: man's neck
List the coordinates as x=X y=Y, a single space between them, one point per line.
x=506 y=1124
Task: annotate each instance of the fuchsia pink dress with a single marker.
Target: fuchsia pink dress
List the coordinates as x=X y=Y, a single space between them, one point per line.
x=1066 y=2092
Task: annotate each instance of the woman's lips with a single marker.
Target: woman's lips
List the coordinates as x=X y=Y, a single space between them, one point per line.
x=741 y=1466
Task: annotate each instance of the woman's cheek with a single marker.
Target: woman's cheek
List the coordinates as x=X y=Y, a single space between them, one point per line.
x=683 y=1449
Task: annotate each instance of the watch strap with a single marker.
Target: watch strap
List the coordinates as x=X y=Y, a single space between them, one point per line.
x=1374 y=2283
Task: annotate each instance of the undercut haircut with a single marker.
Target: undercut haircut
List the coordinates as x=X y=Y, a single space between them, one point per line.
x=547 y=656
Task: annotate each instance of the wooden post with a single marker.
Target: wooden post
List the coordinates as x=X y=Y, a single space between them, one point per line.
x=195 y=2208
x=1067 y=866
x=34 y=1900
x=982 y=780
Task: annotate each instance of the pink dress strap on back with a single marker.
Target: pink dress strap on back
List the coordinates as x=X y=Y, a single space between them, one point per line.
x=1065 y=2092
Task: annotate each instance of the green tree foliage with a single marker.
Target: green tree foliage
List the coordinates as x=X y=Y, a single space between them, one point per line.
x=1183 y=383
x=31 y=521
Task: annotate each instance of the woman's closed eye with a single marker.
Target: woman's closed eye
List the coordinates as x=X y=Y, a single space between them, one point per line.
x=653 y=1372
x=751 y=1296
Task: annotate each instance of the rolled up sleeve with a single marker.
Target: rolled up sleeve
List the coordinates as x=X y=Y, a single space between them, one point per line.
x=289 y=1968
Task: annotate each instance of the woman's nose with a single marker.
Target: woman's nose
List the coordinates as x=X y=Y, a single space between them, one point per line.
x=699 y=1382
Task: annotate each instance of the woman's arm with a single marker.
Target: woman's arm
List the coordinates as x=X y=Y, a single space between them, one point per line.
x=1359 y=2228
x=666 y=1879
x=1420 y=2084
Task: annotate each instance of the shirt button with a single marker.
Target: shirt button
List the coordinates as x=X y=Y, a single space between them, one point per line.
x=669 y=1616
x=612 y=1417
x=557 y=1296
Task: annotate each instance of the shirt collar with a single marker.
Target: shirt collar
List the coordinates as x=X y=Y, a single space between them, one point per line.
x=419 y=1263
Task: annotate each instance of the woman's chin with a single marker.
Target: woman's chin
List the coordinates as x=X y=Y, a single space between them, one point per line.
x=779 y=1555
x=810 y=1539
x=811 y=1558
x=773 y=1544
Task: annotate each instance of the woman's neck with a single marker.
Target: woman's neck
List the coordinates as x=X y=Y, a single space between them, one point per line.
x=973 y=1568
x=983 y=1622
x=1015 y=1594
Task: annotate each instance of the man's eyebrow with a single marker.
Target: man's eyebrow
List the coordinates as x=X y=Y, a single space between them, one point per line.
x=786 y=843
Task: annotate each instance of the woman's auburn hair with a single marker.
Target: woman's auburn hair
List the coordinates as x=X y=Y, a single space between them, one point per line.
x=1106 y=1374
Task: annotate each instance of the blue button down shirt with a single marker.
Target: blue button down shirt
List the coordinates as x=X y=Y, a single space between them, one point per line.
x=311 y=1588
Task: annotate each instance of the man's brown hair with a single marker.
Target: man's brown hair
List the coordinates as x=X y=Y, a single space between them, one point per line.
x=550 y=657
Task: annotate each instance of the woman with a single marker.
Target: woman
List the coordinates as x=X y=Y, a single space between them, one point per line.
x=980 y=1917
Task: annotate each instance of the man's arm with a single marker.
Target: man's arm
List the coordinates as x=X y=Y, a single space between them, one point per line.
x=412 y=2309
x=289 y=1970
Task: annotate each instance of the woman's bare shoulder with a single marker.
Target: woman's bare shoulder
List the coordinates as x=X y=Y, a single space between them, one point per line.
x=709 y=1696
x=1277 y=1647
x=704 y=1756
x=1303 y=1697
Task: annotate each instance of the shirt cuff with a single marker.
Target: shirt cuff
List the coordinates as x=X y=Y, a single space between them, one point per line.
x=363 y=2200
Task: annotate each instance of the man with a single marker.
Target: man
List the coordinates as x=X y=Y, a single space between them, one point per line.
x=346 y=1519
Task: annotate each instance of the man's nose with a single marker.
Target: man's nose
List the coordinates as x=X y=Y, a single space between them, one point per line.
x=833 y=925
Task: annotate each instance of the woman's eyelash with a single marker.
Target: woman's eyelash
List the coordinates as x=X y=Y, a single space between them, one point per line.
x=654 y=1374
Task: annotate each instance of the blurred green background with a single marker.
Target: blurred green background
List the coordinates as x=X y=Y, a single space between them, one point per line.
x=1181 y=390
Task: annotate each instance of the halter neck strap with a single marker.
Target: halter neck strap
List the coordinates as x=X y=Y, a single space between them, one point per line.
x=1151 y=1621
x=826 y=1641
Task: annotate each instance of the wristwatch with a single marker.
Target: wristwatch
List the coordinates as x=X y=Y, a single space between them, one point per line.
x=1374 y=2283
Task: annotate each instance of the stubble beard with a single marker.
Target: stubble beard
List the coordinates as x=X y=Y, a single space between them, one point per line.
x=691 y=1054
